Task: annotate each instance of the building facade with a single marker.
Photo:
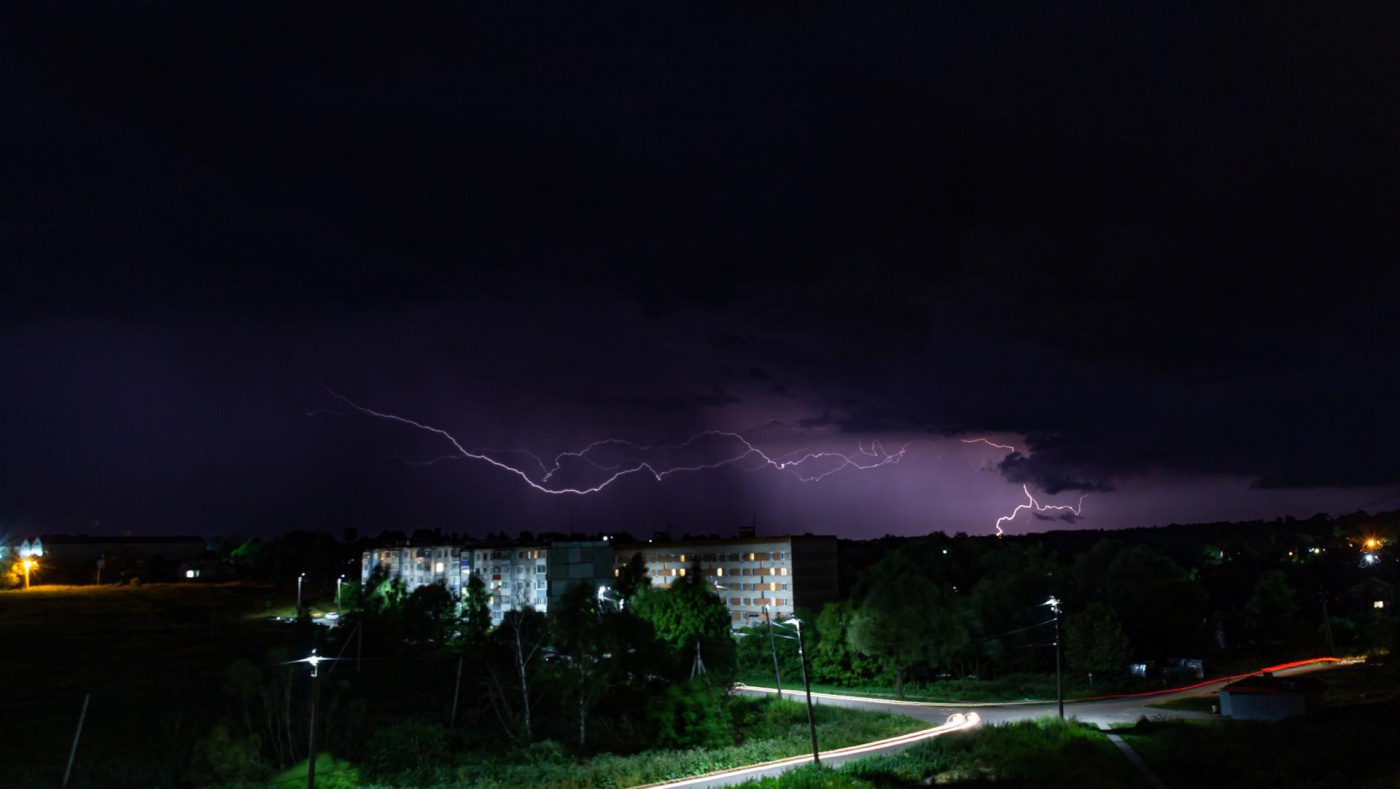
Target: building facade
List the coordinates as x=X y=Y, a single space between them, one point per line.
x=748 y=573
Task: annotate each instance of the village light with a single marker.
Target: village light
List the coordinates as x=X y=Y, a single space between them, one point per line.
x=29 y=564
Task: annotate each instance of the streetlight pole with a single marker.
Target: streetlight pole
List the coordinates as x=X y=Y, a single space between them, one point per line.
x=28 y=564
x=802 y=658
x=300 y=578
x=1059 y=686
x=338 y=582
x=773 y=647
x=311 y=748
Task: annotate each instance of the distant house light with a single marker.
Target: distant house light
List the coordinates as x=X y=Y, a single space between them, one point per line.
x=1378 y=604
x=191 y=573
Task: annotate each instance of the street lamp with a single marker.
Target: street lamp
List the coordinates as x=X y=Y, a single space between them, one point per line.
x=28 y=564
x=802 y=658
x=1059 y=688
x=314 y=661
x=300 y=578
x=773 y=647
x=338 y=582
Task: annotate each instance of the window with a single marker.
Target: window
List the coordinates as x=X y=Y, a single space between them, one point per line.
x=539 y=570
x=748 y=601
x=785 y=587
x=541 y=584
x=719 y=571
x=440 y=566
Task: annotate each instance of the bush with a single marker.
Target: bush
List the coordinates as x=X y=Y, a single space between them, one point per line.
x=410 y=751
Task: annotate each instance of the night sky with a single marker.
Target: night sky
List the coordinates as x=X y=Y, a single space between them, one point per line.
x=1152 y=250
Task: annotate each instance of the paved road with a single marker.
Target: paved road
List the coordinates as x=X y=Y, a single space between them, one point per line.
x=944 y=718
x=1103 y=712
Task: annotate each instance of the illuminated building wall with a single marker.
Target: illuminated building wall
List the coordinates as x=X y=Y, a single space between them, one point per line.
x=784 y=573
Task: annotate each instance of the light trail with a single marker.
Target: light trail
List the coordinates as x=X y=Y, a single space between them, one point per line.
x=802 y=463
x=1032 y=504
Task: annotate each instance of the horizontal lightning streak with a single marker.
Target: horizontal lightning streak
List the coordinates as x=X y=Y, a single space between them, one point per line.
x=873 y=456
x=989 y=443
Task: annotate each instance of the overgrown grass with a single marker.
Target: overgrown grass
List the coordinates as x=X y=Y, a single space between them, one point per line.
x=1046 y=752
x=1345 y=747
x=1207 y=703
x=776 y=729
x=1349 y=744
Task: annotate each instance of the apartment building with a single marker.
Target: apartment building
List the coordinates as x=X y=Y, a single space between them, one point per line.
x=748 y=573
x=447 y=564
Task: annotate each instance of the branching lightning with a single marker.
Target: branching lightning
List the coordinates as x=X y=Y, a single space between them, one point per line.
x=1032 y=504
x=540 y=475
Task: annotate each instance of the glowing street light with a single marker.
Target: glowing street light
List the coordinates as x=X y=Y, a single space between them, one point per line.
x=29 y=564
x=301 y=578
x=338 y=582
x=802 y=658
x=1054 y=604
x=314 y=660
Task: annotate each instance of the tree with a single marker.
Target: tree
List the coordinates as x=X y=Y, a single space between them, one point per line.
x=585 y=650
x=1273 y=609
x=1095 y=642
x=428 y=613
x=474 y=615
x=517 y=646
x=691 y=618
x=833 y=658
x=632 y=578
x=906 y=620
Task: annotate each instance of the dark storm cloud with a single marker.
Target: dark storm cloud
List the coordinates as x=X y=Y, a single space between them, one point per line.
x=1156 y=242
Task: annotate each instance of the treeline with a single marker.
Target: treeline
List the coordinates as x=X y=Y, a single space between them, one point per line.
x=1234 y=595
x=421 y=678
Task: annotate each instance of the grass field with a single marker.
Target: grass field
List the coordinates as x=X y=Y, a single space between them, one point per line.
x=151 y=658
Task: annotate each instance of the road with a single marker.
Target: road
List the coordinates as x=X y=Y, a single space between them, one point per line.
x=947 y=717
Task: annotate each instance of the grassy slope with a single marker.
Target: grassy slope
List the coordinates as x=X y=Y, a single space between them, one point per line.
x=151 y=657
x=1349 y=744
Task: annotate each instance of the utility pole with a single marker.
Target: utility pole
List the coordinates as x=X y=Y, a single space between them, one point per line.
x=1059 y=686
x=773 y=647
x=802 y=657
x=82 y=716
x=311 y=749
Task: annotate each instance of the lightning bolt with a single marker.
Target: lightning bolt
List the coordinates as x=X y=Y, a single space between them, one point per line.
x=1032 y=504
x=745 y=455
x=989 y=443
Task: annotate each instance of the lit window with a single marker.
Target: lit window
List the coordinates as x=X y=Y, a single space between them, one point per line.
x=191 y=574
x=682 y=557
x=682 y=571
x=617 y=572
x=1378 y=604
x=719 y=571
x=440 y=566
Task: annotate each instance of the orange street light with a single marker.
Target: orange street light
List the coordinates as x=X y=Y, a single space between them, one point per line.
x=28 y=564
